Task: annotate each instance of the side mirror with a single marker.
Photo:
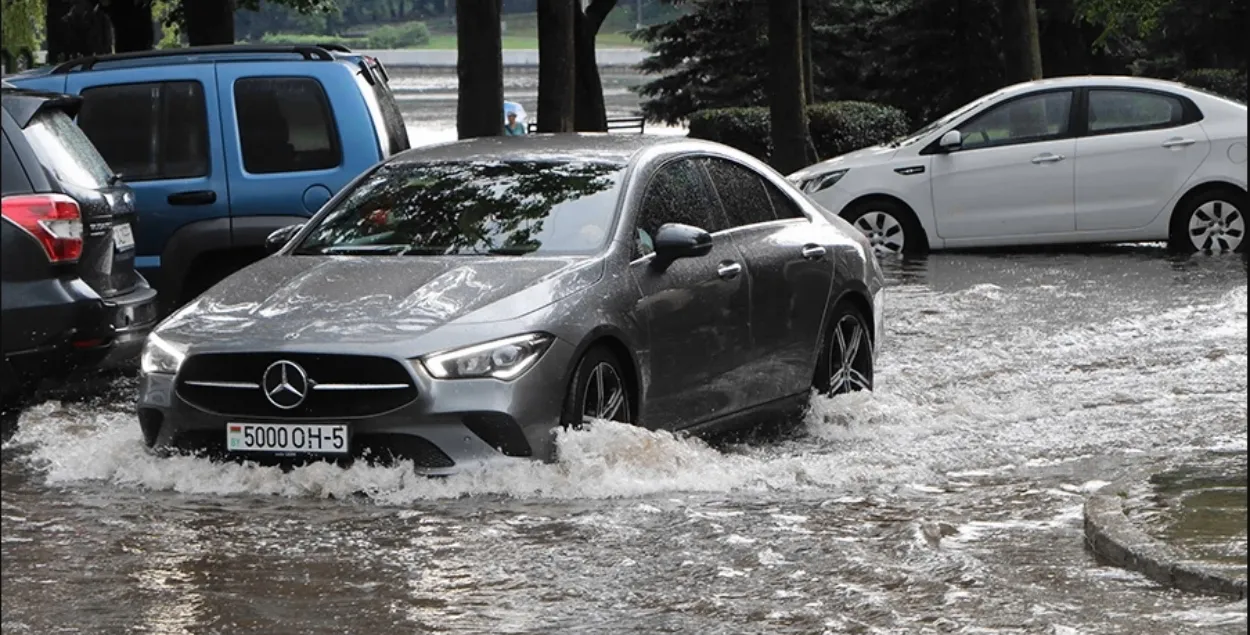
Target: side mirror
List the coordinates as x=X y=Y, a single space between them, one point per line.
x=951 y=140
x=674 y=241
x=281 y=236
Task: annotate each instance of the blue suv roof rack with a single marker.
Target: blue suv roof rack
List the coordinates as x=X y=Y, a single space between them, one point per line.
x=312 y=52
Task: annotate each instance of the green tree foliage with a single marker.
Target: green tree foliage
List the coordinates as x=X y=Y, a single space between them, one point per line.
x=924 y=56
x=21 y=30
x=928 y=56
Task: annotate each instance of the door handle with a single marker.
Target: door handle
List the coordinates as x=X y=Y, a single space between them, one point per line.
x=1177 y=142
x=1047 y=158
x=813 y=252
x=728 y=270
x=197 y=197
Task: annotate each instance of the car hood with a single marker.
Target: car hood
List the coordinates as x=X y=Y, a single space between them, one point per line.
x=373 y=299
x=874 y=155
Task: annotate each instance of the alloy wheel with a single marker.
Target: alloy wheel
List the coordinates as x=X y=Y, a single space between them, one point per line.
x=884 y=232
x=850 y=357
x=1217 y=226
x=605 y=396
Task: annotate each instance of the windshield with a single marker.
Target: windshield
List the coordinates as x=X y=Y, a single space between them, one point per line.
x=472 y=208
x=952 y=116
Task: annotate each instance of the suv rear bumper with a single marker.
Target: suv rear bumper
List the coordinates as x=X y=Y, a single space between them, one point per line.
x=59 y=312
x=122 y=323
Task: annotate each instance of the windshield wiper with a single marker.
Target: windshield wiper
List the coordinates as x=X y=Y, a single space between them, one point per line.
x=511 y=251
x=366 y=250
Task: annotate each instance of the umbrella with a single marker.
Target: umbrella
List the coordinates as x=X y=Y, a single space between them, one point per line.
x=512 y=106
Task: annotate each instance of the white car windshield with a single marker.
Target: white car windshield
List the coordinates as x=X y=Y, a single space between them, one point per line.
x=953 y=115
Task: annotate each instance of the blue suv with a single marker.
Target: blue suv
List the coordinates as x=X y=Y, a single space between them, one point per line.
x=223 y=145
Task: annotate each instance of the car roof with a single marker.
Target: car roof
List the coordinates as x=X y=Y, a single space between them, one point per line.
x=603 y=147
x=197 y=55
x=1080 y=81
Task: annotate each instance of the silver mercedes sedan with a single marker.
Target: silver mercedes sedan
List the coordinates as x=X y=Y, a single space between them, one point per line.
x=459 y=304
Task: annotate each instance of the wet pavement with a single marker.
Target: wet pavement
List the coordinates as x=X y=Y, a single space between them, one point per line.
x=949 y=501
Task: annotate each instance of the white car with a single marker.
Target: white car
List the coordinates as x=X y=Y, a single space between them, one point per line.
x=1070 y=160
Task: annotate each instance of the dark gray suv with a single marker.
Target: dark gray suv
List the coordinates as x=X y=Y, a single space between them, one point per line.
x=460 y=303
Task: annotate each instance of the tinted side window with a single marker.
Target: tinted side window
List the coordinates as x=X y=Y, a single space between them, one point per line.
x=1128 y=110
x=676 y=194
x=741 y=192
x=13 y=178
x=1025 y=120
x=285 y=125
x=783 y=206
x=149 y=131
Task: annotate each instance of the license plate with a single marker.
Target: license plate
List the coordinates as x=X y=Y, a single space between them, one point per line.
x=286 y=437
x=123 y=237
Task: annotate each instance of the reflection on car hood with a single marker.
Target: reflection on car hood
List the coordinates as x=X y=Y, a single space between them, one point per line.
x=343 y=299
x=874 y=155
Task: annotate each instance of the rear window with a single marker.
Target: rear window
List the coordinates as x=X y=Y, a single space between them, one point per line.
x=66 y=152
x=388 y=120
x=474 y=208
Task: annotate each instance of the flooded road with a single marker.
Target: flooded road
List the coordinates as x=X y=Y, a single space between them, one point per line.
x=949 y=501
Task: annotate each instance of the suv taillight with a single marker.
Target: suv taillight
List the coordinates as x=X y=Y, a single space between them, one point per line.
x=55 y=220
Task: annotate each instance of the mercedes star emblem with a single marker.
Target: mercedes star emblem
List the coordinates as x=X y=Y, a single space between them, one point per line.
x=285 y=384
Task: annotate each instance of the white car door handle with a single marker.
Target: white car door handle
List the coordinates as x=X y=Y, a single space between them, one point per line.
x=728 y=270
x=813 y=252
x=1177 y=142
x=1047 y=158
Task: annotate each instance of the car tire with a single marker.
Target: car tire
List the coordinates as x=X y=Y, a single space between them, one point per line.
x=584 y=399
x=890 y=226
x=1214 y=220
x=839 y=370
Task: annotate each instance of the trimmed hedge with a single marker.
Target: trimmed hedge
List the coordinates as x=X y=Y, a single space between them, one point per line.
x=836 y=127
x=1221 y=81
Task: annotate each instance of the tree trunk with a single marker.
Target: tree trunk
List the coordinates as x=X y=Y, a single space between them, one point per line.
x=787 y=115
x=1022 y=49
x=479 y=67
x=557 y=67
x=209 y=21
x=809 y=86
x=76 y=29
x=132 y=25
x=590 y=113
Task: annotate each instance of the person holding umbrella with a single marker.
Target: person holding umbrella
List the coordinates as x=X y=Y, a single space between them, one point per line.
x=514 y=119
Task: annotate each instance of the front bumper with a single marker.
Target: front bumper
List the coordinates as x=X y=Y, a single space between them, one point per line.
x=450 y=426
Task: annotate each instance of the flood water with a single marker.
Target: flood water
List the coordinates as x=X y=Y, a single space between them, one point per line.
x=948 y=501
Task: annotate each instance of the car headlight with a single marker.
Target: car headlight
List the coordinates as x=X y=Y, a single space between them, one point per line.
x=161 y=356
x=502 y=359
x=824 y=181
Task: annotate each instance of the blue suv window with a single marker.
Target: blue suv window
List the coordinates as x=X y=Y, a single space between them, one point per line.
x=285 y=125
x=156 y=130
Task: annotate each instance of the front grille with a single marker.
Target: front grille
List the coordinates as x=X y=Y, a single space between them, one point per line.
x=339 y=387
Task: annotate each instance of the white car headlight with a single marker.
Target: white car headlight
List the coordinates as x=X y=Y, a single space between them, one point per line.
x=161 y=356
x=502 y=359
x=824 y=181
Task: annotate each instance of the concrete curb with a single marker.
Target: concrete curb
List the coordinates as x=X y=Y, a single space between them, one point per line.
x=1113 y=538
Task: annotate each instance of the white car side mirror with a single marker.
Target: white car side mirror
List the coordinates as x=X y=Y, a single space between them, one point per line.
x=951 y=140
